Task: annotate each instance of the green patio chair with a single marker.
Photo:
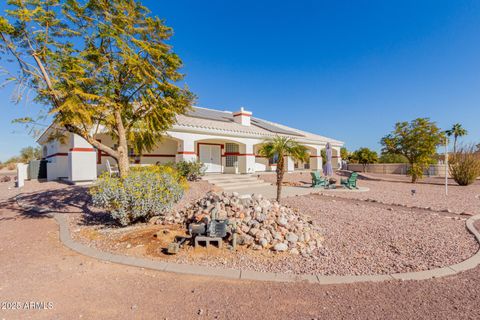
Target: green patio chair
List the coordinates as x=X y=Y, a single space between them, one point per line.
x=351 y=182
x=318 y=180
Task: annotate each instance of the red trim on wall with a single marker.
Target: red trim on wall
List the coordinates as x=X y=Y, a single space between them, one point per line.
x=186 y=152
x=315 y=156
x=59 y=154
x=153 y=155
x=82 y=150
x=238 y=154
x=242 y=114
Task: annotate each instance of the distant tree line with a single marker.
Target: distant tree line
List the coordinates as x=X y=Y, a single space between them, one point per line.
x=26 y=155
x=416 y=143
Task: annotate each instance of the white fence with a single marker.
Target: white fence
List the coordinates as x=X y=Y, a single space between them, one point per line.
x=22 y=174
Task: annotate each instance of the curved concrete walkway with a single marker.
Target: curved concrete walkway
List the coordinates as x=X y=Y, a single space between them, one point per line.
x=66 y=239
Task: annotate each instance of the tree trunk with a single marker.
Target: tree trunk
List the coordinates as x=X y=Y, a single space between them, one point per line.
x=123 y=161
x=455 y=145
x=280 y=174
x=413 y=173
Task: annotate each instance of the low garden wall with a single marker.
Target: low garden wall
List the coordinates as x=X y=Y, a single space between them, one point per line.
x=437 y=170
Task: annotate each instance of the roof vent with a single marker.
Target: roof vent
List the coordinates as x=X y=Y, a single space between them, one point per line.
x=242 y=117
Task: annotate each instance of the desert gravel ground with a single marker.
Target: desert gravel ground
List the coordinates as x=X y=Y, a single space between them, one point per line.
x=360 y=237
x=370 y=238
x=396 y=189
x=36 y=267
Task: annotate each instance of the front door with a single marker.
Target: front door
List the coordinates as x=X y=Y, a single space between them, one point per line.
x=211 y=157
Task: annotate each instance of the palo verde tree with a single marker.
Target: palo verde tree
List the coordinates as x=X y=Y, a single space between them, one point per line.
x=281 y=148
x=387 y=157
x=344 y=154
x=364 y=156
x=97 y=66
x=417 y=141
x=456 y=131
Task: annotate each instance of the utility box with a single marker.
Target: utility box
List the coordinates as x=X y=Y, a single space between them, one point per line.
x=37 y=169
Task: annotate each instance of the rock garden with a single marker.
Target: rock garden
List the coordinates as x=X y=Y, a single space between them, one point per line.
x=311 y=234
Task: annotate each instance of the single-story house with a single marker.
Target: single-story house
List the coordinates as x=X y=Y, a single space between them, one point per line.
x=226 y=142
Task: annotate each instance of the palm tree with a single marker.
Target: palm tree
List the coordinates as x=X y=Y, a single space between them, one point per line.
x=456 y=131
x=282 y=147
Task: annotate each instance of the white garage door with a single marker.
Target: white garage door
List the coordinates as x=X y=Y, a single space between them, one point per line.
x=211 y=156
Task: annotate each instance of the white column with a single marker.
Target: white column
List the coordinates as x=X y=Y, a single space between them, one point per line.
x=290 y=164
x=246 y=159
x=82 y=161
x=186 y=151
x=337 y=162
x=316 y=162
x=22 y=174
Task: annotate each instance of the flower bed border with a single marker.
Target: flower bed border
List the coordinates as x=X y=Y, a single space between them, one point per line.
x=66 y=239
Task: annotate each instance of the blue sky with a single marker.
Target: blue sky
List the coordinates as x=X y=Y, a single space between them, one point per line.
x=345 y=69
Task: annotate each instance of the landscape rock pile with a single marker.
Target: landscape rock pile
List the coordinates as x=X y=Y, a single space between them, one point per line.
x=258 y=222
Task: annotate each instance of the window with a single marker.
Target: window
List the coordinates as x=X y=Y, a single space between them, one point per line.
x=231 y=151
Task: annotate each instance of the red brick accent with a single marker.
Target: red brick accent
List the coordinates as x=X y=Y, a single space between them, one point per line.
x=239 y=154
x=186 y=152
x=242 y=114
x=152 y=155
x=82 y=150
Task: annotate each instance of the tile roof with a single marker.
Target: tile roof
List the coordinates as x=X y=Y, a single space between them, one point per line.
x=223 y=122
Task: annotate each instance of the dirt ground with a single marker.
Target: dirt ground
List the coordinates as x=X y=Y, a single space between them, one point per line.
x=35 y=267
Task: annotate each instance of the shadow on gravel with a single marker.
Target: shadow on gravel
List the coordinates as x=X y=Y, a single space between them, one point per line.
x=68 y=200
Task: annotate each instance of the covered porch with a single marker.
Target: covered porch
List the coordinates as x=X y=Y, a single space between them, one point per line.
x=220 y=154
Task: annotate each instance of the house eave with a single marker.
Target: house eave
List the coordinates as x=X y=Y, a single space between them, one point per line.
x=228 y=133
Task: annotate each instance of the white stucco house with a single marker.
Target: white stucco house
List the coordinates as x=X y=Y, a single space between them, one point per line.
x=226 y=142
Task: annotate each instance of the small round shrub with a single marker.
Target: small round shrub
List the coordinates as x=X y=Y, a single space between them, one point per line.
x=190 y=170
x=144 y=193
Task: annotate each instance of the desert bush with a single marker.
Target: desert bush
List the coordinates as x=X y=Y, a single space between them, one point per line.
x=144 y=193
x=190 y=170
x=464 y=166
x=11 y=166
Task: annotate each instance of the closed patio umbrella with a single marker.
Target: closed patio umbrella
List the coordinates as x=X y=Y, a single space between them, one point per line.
x=328 y=169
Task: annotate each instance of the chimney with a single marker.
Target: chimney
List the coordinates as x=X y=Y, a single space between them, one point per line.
x=242 y=117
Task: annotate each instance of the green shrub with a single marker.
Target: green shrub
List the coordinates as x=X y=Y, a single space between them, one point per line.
x=387 y=157
x=144 y=193
x=190 y=170
x=464 y=166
